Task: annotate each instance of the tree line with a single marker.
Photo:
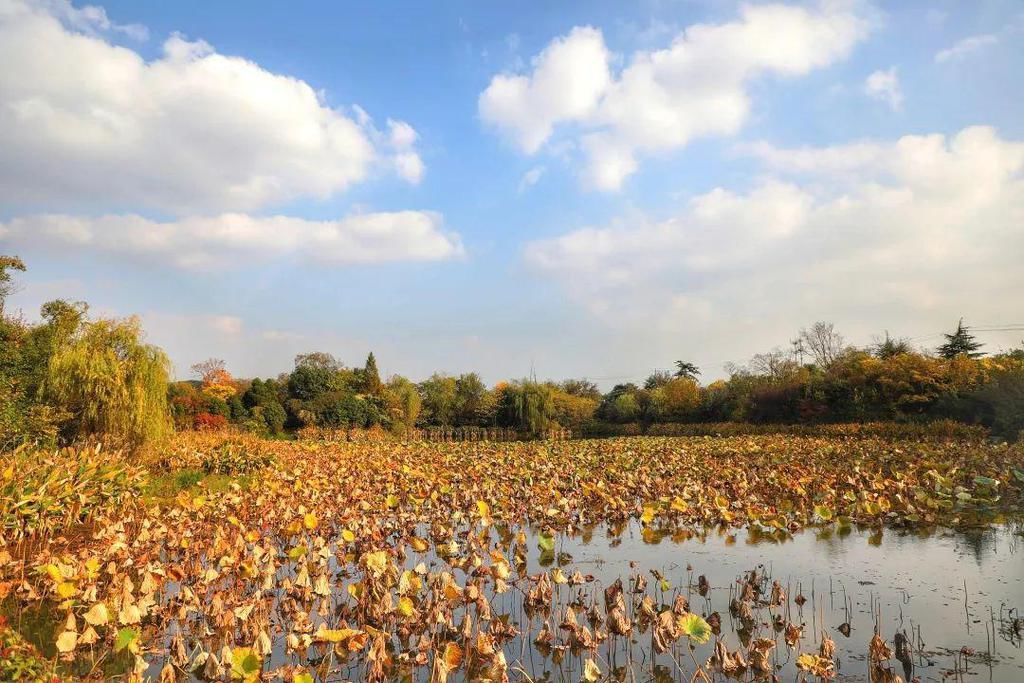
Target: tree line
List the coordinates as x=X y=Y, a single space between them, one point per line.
x=69 y=378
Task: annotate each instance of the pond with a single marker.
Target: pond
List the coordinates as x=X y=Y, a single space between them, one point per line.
x=951 y=599
x=954 y=595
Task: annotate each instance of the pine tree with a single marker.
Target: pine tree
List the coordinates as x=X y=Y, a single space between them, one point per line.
x=960 y=343
x=371 y=377
x=687 y=370
x=890 y=348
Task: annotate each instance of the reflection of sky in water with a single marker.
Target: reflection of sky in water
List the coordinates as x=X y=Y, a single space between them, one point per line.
x=914 y=581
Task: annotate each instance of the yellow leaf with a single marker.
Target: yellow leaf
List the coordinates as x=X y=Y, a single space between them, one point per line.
x=694 y=627
x=347 y=535
x=502 y=570
x=377 y=562
x=406 y=606
x=483 y=509
x=66 y=589
x=67 y=641
x=591 y=672
x=409 y=582
x=89 y=636
x=129 y=614
x=310 y=521
x=353 y=639
x=97 y=615
x=648 y=515
x=92 y=567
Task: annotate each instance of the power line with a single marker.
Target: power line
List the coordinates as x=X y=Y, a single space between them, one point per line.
x=1012 y=327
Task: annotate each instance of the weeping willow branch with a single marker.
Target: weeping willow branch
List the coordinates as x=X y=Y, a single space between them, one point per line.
x=113 y=384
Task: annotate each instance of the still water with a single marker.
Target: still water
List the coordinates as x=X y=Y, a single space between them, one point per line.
x=954 y=595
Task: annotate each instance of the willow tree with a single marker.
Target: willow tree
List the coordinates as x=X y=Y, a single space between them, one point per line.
x=113 y=384
x=527 y=405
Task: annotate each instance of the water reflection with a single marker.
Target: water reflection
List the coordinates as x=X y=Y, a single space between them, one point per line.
x=948 y=601
x=945 y=603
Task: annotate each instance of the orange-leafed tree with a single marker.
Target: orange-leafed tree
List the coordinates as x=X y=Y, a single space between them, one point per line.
x=217 y=381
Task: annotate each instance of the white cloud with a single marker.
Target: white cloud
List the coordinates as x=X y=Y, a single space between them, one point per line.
x=962 y=48
x=911 y=234
x=568 y=79
x=90 y=19
x=885 y=86
x=226 y=239
x=530 y=178
x=401 y=134
x=410 y=167
x=85 y=122
x=663 y=99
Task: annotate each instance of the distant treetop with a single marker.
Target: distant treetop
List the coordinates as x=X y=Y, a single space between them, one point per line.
x=961 y=343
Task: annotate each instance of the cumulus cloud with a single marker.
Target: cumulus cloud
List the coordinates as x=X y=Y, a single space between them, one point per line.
x=662 y=99
x=920 y=229
x=91 y=19
x=220 y=241
x=965 y=47
x=569 y=77
x=84 y=121
x=884 y=85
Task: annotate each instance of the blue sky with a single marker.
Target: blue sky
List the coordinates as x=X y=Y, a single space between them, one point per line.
x=588 y=189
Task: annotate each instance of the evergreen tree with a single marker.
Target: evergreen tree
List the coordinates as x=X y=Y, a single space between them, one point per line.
x=960 y=343
x=687 y=370
x=371 y=377
x=890 y=348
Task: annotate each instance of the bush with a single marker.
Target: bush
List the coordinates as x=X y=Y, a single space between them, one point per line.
x=237 y=456
x=210 y=422
x=186 y=479
x=212 y=453
x=1002 y=402
x=47 y=491
x=21 y=661
x=943 y=430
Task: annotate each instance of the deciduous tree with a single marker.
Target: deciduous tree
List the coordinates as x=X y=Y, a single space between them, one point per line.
x=112 y=383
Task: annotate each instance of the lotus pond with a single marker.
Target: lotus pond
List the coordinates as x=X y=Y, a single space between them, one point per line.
x=639 y=559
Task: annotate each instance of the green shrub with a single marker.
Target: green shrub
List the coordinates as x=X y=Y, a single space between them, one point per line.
x=19 y=659
x=186 y=479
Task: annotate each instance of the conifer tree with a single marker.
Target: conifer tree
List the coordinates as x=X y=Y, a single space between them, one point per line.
x=371 y=376
x=687 y=370
x=960 y=343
